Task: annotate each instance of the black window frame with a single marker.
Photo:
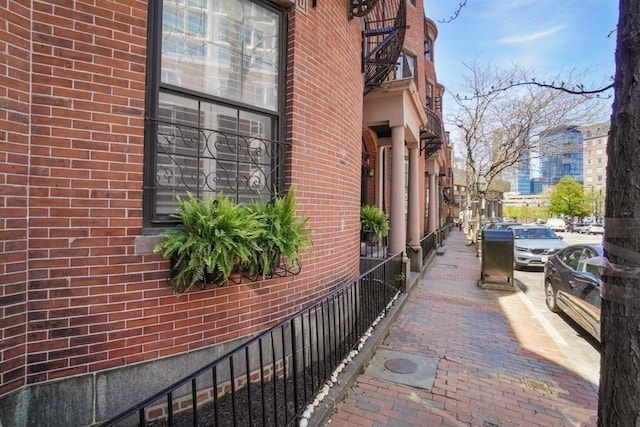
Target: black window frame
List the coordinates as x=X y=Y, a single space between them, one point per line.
x=152 y=221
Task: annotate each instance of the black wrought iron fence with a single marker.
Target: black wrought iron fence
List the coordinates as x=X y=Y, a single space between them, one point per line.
x=374 y=249
x=271 y=379
x=432 y=241
x=429 y=244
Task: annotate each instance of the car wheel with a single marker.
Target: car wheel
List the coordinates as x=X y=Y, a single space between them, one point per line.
x=550 y=297
x=516 y=266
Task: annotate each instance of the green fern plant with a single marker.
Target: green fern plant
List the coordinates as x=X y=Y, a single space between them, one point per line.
x=283 y=234
x=374 y=221
x=216 y=236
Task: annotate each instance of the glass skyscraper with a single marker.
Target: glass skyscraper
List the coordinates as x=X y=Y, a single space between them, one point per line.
x=562 y=150
x=519 y=175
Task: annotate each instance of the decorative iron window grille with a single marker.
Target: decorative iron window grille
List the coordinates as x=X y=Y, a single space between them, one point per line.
x=241 y=164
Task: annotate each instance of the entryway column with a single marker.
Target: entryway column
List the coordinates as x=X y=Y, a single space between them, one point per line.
x=414 y=198
x=433 y=202
x=380 y=167
x=415 y=254
x=397 y=233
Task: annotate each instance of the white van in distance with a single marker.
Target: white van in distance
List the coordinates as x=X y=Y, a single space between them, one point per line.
x=556 y=224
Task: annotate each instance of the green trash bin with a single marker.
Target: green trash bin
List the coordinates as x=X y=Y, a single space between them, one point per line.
x=497 y=257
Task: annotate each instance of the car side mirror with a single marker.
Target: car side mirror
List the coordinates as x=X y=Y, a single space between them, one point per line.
x=589 y=275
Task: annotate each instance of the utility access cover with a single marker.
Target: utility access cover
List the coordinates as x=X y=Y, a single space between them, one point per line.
x=403 y=368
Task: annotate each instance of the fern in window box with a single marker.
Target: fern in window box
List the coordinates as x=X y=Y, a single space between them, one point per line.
x=216 y=238
x=282 y=235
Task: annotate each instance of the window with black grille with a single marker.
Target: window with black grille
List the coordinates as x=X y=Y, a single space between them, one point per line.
x=213 y=122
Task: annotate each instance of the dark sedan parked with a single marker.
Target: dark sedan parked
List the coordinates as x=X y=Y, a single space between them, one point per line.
x=572 y=285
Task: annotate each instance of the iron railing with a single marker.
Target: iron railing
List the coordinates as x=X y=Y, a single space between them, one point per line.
x=429 y=243
x=431 y=137
x=385 y=23
x=432 y=241
x=270 y=380
x=374 y=249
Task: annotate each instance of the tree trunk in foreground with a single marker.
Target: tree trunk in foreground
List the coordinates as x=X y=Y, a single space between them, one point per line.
x=619 y=402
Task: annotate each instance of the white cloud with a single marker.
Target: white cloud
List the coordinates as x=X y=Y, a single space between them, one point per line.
x=526 y=38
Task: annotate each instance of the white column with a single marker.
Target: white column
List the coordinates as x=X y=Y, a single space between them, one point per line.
x=397 y=234
x=379 y=176
x=433 y=202
x=414 y=197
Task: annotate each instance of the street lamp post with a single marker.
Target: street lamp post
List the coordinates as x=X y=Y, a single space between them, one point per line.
x=482 y=188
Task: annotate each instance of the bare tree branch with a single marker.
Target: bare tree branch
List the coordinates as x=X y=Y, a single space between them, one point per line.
x=455 y=14
x=575 y=90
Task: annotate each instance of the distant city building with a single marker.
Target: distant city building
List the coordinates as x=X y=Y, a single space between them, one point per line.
x=563 y=154
x=519 y=175
x=539 y=185
x=595 y=155
x=595 y=138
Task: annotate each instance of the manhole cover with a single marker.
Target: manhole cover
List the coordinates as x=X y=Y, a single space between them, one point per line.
x=452 y=266
x=401 y=366
x=538 y=386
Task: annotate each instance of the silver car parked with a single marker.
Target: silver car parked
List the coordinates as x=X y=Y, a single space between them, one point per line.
x=533 y=244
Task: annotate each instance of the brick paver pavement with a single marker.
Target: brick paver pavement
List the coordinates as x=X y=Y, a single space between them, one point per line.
x=496 y=364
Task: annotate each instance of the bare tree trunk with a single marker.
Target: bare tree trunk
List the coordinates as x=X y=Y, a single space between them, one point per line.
x=619 y=403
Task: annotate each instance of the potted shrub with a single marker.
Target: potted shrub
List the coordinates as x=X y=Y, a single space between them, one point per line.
x=216 y=236
x=282 y=234
x=374 y=223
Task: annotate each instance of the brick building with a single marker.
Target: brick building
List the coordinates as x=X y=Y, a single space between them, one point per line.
x=101 y=100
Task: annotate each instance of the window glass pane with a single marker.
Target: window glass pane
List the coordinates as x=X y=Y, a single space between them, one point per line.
x=177 y=146
x=261 y=171
x=405 y=66
x=223 y=48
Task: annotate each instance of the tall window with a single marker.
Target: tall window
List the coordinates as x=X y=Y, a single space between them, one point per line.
x=213 y=115
x=429 y=96
x=428 y=49
x=405 y=66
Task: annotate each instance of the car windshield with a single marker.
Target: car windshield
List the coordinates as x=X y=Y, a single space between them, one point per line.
x=534 y=233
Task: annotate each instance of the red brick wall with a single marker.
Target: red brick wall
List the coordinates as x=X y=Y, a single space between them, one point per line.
x=94 y=301
x=324 y=111
x=85 y=184
x=14 y=130
x=414 y=42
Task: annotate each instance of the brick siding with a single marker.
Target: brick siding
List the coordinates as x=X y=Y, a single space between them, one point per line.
x=14 y=165
x=76 y=296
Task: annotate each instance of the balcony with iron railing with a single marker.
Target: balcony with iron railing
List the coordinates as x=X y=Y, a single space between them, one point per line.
x=382 y=38
x=431 y=134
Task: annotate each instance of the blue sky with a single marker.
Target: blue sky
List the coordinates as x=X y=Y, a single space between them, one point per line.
x=551 y=36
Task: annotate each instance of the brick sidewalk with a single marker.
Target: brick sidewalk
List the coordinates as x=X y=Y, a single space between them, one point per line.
x=496 y=366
